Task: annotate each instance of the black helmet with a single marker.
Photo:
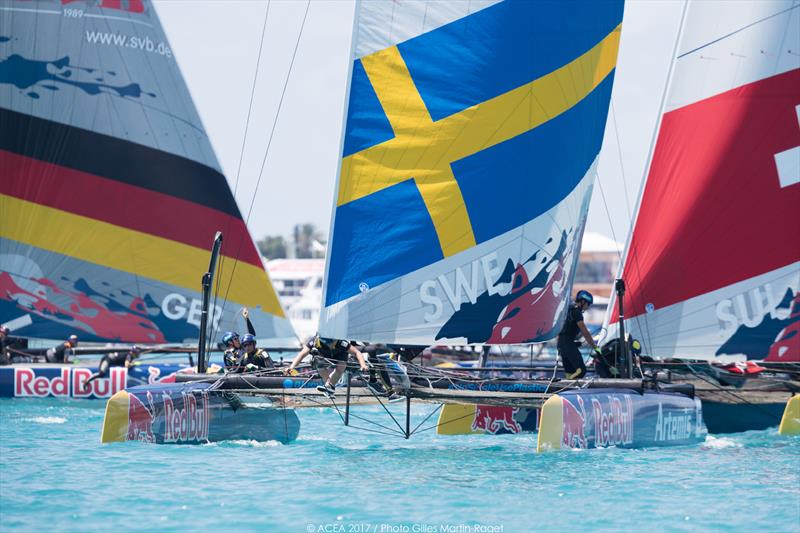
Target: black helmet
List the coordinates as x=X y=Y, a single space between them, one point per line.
x=586 y=296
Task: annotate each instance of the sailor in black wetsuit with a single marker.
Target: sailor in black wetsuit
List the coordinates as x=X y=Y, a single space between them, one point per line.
x=58 y=354
x=233 y=347
x=125 y=359
x=5 y=342
x=571 y=357
x=253 y=358
x=328 y=353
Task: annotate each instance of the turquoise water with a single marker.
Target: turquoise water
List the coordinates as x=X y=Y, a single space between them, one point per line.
x=55 y=474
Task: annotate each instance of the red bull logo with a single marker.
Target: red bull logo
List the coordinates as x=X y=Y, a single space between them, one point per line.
x=66 y=383
x=189 y=424
x=614 y=425
x=492 y=419
x=573 y=435
x=140 y=419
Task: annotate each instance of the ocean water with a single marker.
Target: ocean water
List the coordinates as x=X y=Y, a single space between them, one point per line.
x=55 y=475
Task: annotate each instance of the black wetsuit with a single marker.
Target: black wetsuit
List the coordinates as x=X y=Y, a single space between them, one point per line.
x=260 y=359
x=5 y=356
x=232 y=356
x=567 y=347
x=109 y=360
x=58 y=354
x=326 y=356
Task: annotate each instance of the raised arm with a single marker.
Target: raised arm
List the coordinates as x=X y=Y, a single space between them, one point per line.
x=246 y=314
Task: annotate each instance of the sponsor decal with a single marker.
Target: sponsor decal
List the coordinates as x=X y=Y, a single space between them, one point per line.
x=673 y=425
x=140 y=419
x=67 y=383
x=520 y=303
x=768 y=328
x=494 y=420
x=573 y=435
x=613 y=423
x=189 y=424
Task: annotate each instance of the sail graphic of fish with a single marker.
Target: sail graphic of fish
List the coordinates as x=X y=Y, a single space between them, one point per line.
x=470 y=148
x=110 y=192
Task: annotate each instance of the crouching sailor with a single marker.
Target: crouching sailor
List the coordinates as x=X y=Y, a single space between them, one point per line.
x=571 y=357
x=387 y=375
x=328 y=354
x=253 y=358
x=125 y=359
x=59 y=354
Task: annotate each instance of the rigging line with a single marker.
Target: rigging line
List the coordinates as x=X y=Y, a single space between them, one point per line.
x=387 y=410
x=621 y=162
x=718 y=39
x=438 y=408
x=244 y=138
x=741 y=399
x=269 y=143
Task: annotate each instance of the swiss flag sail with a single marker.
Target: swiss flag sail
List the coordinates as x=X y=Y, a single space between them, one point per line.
x=713 y=264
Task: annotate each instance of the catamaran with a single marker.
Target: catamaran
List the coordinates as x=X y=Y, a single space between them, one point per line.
x=713 y=262
x=458 y=215
x=110 y=194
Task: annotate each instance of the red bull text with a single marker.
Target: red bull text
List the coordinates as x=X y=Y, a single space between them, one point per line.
x=65 y=383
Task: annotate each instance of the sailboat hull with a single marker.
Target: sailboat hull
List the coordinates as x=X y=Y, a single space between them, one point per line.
x=192 y=413
x=66 y=381
x=619 y=417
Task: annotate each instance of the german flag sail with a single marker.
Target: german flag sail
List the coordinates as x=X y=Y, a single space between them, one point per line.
x=110 y=193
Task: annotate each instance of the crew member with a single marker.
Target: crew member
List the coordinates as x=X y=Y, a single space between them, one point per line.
x=387 y=376
x=125 y=359
x=5 y=342
x=571 y=357
x=328 y=354
x=58 y=354
x=232 y=344
x=253 y=358
x=233 y=350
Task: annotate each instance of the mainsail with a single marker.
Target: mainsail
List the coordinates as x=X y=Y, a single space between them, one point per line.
x=110 y=193
x=470 y=148
x=713 y=264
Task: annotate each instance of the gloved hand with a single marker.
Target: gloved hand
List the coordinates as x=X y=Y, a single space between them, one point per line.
x=597 y=352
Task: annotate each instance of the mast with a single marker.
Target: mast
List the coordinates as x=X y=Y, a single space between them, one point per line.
x=619 y=287
x=207 y=280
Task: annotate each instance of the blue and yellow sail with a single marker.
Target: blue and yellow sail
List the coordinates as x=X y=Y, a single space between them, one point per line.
x=110 y=193
x=469 y=150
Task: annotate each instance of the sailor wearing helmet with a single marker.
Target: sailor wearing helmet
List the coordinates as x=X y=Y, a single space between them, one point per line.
x=329 y=353
x=252 y=357
x=571 y=357
x=122 y=358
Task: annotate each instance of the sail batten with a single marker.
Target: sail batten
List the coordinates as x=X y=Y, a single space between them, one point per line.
x=468 y=162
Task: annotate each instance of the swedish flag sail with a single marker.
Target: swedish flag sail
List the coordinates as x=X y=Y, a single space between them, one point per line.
x=110 y=193
x=470 y=147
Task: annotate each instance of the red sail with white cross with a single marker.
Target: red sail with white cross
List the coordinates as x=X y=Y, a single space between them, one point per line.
x=713 y=265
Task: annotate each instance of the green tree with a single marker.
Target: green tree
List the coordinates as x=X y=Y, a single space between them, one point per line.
x=272 y=247
x=308 y=241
